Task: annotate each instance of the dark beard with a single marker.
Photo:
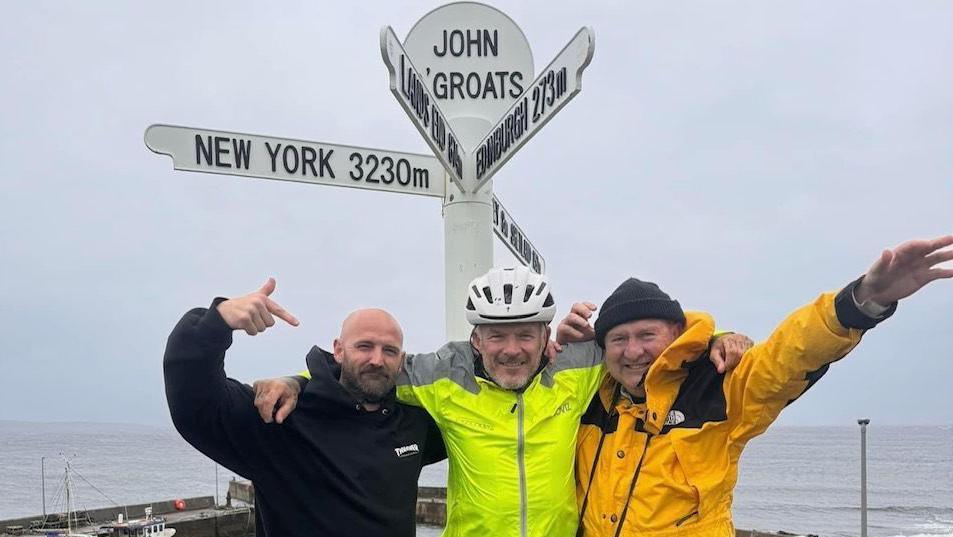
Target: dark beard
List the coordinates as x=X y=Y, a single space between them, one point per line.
x=363 y=391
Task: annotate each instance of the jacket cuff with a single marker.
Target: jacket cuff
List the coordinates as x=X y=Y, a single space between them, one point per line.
x=213 y=330
x=302 y=382
x=850 y=316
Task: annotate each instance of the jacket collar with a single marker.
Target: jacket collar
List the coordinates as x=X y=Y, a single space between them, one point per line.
x=324 y=392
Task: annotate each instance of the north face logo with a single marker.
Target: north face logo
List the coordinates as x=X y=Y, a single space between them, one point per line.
x=674 y=418
x=407 y=451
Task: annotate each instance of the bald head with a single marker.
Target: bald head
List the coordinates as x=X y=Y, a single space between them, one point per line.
x=374 y=319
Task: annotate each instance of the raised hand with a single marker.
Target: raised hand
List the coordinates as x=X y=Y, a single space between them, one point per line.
x=575 y=327
x=255 y=312
x=905 y=270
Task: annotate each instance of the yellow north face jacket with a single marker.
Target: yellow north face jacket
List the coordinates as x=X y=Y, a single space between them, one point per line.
x=667 y=465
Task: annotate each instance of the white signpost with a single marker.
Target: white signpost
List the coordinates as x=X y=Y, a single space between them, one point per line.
x=265 y=157
x=559 y=82
x=476 y=62
x=462 y=76
x=514 y=239
x=412 y=93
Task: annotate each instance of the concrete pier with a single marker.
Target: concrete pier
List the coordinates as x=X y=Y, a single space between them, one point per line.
x=202 y=519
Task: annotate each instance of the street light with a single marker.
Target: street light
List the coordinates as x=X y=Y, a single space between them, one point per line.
x=43 y=483
x=863 y=475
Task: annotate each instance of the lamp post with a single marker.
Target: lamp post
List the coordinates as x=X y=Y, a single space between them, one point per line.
x=43 y=483
x=863 y=475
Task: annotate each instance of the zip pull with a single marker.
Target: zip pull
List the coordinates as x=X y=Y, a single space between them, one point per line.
x=512 y=410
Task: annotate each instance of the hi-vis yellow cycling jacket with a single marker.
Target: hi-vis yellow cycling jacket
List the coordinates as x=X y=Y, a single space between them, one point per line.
x=667 y=465
x=511 y=453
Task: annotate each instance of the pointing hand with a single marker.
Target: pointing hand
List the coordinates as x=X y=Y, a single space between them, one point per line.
x=255 y=312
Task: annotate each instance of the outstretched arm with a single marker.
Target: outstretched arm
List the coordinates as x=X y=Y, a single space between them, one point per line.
x=801 y=348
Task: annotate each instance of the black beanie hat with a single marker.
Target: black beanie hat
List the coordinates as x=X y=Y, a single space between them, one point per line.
x=634 y=300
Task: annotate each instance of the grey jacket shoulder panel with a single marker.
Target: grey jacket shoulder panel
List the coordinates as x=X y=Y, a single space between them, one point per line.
x=578 y=355
x=453 y=361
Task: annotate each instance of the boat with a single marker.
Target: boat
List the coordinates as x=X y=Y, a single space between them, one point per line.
x=151 y=526
x=72 y=517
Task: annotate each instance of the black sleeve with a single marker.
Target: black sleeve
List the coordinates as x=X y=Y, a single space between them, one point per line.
x=434 y=450
x=850 y=316
x=215 y=414
x=302 y=382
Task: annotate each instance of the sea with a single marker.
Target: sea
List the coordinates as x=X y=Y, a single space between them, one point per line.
x=803 y=480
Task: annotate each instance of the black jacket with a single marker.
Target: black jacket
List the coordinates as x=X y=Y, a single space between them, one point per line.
x=332 y=468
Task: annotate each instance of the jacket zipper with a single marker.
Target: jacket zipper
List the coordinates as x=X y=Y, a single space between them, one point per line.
x=685 y=518
x=580 y=529
x=635 y=478
x=520 y=455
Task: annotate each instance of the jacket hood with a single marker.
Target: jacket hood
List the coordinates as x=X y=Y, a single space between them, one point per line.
x=324 y=392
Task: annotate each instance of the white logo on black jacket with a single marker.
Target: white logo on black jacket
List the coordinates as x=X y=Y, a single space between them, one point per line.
x=407 y=451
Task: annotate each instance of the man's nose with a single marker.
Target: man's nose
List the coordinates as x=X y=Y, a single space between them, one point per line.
x=512 y=346
x=377 y=356
x=633 y=349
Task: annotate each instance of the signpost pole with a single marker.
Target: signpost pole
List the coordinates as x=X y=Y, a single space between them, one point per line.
x=468 y=251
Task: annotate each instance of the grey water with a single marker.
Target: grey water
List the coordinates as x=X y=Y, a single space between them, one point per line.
x=797 y=479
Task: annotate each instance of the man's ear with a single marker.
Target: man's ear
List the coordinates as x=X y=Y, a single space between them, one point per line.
x=475 y=338
x=549 y=333
x=338 y=350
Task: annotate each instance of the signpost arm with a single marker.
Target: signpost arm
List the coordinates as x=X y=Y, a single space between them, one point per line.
x=411 y=91
x=558 y=83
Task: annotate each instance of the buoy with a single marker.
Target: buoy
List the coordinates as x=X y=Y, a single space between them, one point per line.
x=179 y=505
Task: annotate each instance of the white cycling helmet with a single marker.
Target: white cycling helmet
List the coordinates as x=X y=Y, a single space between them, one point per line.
x=510 y=295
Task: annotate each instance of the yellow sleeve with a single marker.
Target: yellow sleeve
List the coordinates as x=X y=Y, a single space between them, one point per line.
x=777 y=371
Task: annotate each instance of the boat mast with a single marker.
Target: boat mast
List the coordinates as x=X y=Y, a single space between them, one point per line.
x=69 y=508
x=43 y=483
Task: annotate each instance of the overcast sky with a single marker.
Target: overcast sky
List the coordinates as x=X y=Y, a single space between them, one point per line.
x=744 y=155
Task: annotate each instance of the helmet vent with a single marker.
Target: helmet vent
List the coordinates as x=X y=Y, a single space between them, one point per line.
x=549 y=301
x=476 y=291
x=508 y=293
x=528 y=293
x=488 y=294
x=470 y=306
x=541 y=287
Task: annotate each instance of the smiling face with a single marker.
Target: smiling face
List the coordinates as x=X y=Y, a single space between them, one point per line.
x=369 y=351
x=632 y=347
x=511 y=352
